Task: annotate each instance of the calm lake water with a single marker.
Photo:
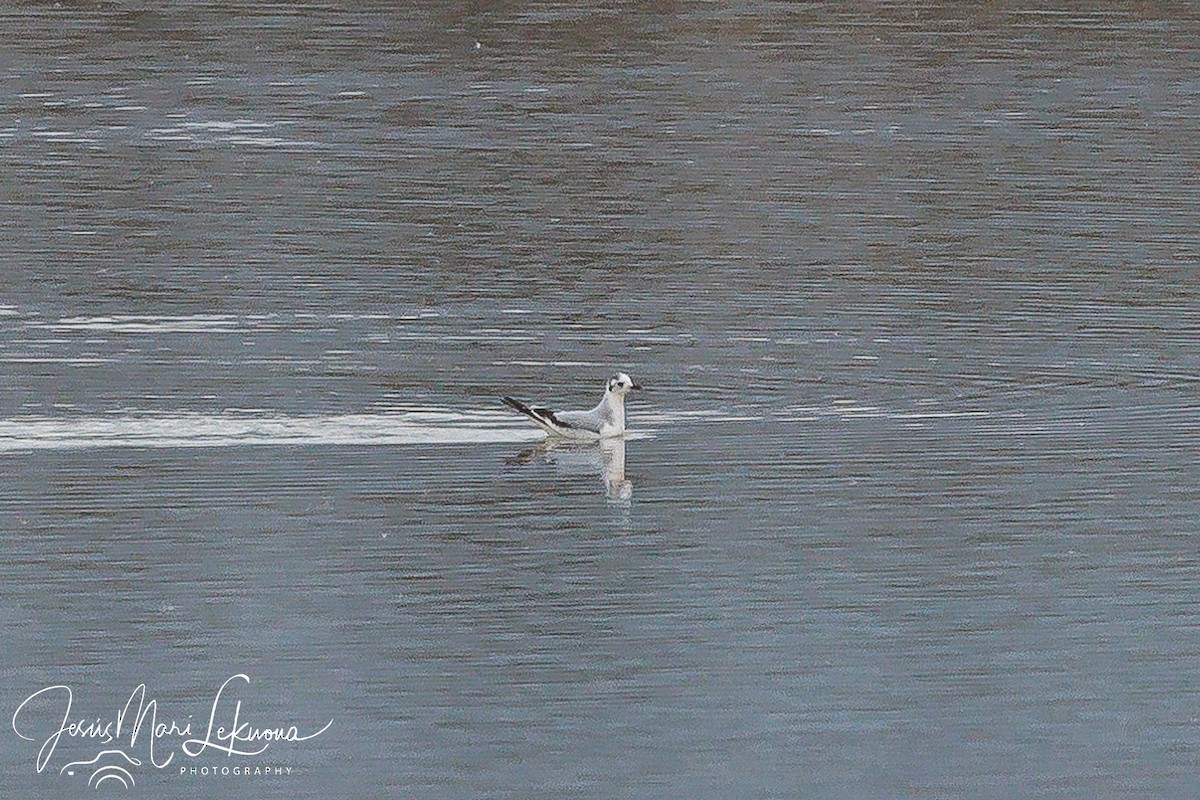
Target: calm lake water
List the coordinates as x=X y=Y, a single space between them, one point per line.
x=907 y=509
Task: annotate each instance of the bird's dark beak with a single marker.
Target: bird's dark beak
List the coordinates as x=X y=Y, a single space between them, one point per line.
x=635 y=386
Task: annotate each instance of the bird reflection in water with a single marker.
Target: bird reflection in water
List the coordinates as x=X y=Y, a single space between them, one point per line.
x=607 y=456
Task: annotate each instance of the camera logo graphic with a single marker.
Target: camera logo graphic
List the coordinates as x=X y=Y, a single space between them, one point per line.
x=113 y=770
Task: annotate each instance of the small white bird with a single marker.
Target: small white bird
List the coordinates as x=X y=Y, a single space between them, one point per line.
x=603 y=421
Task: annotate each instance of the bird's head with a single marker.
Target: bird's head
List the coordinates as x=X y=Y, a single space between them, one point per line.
x=620 y=384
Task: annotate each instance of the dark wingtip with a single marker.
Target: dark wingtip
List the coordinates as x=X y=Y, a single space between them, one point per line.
x=519 y=406
x=540 y=415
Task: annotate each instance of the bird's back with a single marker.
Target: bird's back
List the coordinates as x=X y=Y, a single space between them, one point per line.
x=585 y=420
x=608 y=418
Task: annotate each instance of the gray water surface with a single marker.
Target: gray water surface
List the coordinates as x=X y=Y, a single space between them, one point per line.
x=908 y=508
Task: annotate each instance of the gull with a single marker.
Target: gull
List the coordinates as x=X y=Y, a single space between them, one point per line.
x=605 y=420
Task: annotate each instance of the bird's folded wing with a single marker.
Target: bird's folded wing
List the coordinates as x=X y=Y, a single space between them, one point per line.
x=586 y=420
